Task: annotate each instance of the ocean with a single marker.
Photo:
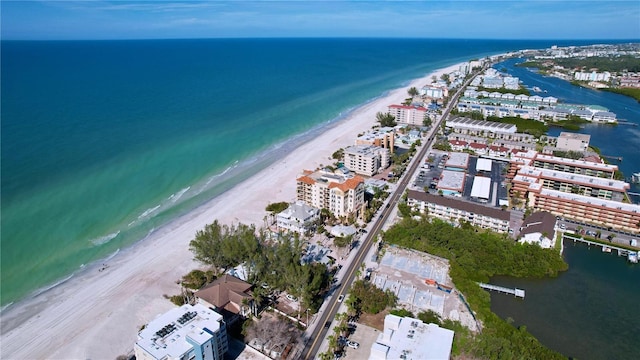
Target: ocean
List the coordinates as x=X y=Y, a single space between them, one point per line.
x=104 y=142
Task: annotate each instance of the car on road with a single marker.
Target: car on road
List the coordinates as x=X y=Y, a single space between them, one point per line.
x=340 y=298
x=353 y=344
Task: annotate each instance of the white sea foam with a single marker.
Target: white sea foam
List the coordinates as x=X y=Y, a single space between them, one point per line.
x=175 y=197
x=5 y=307
x=104 y=239
x=148 y=212
x=112 y=255
x=47 y=288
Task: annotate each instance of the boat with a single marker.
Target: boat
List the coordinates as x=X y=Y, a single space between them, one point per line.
x=606 y=249
x=635 y=178
x=633 y=257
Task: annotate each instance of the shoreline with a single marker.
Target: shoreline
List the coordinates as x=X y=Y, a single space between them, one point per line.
x=110 y=301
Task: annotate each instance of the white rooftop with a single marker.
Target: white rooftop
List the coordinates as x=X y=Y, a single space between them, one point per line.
x=481 y=187
x=483 y=164
x=451 y=180
x=167 y=334
x=576 y=179
x=457 y=160
x=409 y=338
x=592 y=201
x=579 y=163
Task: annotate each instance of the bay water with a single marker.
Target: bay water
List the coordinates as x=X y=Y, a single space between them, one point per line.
x=590 y=311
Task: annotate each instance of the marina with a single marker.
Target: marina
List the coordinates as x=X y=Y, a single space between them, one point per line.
x=632 y=256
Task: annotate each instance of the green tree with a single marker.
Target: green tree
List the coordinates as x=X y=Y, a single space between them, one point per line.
x=278 y=207
x=402 y=313
x=412 y=91
x=386 y=119
x=427 y=121
x=338 y=154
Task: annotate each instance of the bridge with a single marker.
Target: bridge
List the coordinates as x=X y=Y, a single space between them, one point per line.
x=516 y=292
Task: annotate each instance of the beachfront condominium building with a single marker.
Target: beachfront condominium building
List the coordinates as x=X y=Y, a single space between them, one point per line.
x=454 y=210
x=298 y=217
x=409 y=338
x=573 y=141
x=188 y=332
x=366 y=159
x=410 y=115
x=383 y=137
x=340 y=194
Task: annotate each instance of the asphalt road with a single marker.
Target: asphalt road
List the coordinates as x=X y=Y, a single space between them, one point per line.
x=323 y=324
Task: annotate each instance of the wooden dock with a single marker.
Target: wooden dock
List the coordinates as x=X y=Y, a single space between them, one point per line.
x=515 y=292
x=630 y=254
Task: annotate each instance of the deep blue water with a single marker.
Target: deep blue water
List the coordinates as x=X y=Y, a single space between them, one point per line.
x=103 y=142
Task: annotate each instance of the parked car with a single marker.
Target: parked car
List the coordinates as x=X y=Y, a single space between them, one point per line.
x=291 y=297
x=353 y=344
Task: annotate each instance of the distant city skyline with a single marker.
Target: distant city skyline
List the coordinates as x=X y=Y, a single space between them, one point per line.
x=527 y=19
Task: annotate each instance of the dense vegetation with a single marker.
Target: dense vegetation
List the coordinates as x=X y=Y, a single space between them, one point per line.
x=611 y=64
x=275 y=262
x=278 y=207
x=475 y=257
x=631 y=92
x=386 y=119
x=602 y=63
x=366 y=297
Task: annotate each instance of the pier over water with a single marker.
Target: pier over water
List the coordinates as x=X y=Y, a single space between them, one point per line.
x=516 y=292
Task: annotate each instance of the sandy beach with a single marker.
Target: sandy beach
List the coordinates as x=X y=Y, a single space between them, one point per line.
x=97 y=314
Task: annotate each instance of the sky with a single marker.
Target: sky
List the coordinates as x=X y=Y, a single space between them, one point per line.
x=514 y=19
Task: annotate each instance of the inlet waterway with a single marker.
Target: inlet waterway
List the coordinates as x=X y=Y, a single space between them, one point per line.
x=591 y=310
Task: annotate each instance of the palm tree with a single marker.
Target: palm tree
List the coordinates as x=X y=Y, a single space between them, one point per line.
x=386 y=119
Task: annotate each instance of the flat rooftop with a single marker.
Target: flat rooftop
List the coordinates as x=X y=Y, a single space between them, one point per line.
x=481 y=187
x=483 y=164
x=457 y=160
x=167 y=334
x=577 y=179
x=591 y=200
x=467 y=123
x=409 y=338
x=577 y=163
x=575 y=136
x=451 y=180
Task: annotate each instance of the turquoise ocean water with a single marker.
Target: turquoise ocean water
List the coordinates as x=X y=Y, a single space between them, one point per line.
x=103 y=142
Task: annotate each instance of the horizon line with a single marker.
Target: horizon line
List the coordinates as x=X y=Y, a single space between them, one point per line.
x=631 y=40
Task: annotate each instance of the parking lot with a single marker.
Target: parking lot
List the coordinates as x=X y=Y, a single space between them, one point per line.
x=365 y=336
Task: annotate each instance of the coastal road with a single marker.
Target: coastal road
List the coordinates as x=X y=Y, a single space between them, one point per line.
x=326 y=317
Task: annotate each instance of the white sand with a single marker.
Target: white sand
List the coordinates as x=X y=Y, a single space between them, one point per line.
x=97 y=315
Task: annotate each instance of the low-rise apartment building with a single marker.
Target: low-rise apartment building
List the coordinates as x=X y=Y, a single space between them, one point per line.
x=590 y=186
x=454 y=210
x=366 y=159
x=340 y=194
x=573 y=141
x=583 y=167
x=409 y=338
x=298 y=217
x=188 y=332
x=600 y=212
